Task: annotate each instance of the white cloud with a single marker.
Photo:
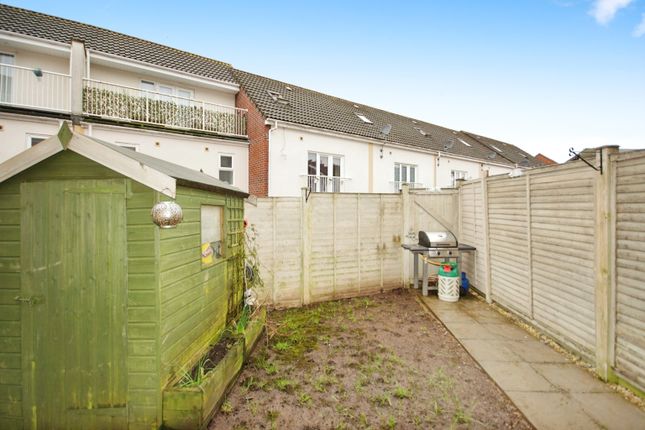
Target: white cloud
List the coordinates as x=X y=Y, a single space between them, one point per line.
x=605 y=10
x=640 y=28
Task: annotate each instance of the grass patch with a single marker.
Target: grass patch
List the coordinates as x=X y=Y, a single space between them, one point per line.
x=402 y=393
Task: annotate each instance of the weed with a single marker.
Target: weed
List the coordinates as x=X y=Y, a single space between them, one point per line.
x=285 y=385
x=460 y=416
x=226 y=407
x=402 y=393
x=437 y=409
x=272 y=416
x=322 y=382
x=304 y=399
x=382 y=400
x=391 y=422
x=362 y=420
x=282 y=346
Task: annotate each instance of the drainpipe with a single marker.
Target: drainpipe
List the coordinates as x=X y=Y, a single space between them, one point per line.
x=274 y=126
x=78 y=65
x=436 y=169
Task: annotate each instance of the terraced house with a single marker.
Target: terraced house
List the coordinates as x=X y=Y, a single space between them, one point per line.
x=303 y=138
x=137 y=94
x=261 y=135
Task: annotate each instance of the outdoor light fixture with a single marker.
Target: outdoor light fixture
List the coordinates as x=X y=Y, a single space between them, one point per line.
x=167 y=214
x=38 y=72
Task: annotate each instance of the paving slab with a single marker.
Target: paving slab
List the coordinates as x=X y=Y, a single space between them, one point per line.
x=552 y=392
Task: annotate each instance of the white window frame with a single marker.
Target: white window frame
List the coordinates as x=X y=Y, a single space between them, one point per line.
x=8 y=84
x=314 y=181
x=408 y=168
x=173 y=89
x=363 y=117
x=30 y=136
x=226 y=169
x=458 y=174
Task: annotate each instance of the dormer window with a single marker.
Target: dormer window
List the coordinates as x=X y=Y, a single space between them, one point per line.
x=363 y=118
x=277 y=97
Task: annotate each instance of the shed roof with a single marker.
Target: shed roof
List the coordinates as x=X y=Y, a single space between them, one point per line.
x=40 y=25
x=290 y=103
x=157 y=174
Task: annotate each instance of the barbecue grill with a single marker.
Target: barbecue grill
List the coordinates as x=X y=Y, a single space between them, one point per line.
x=439 y=243
x=435 y=244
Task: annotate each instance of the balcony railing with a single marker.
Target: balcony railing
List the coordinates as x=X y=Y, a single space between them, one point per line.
x=398 y=184
x=119 y=102
x=34 y=88
x=325 y=184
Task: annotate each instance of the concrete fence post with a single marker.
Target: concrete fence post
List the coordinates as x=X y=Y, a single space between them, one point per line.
x=605 y=273
x=489 y=286
x=407 y=225
x=305 y=216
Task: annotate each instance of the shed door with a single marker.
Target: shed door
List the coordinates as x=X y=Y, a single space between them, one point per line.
x=74 y=304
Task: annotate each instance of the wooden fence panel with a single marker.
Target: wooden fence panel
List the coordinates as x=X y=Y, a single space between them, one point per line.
x=563 y=253
x=630 y=269
x=508 y=240
x=472 y=232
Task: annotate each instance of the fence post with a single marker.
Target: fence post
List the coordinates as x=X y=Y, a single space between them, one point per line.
x=488 y=289
x=605 y=273
x=405 y=201
x=305 y=238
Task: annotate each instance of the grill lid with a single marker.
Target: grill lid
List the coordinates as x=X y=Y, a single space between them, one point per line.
x=437 y=239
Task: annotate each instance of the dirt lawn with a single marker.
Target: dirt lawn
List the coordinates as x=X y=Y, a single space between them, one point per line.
x=377 y=362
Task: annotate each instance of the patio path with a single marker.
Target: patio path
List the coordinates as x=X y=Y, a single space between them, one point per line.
x=551 y=391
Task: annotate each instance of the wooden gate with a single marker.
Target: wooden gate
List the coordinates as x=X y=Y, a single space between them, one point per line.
x=73 y=294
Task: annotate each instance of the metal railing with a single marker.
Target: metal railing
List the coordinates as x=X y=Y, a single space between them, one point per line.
x=34 y=88
x=325 y=184
x=398 y=184
x=120 y=102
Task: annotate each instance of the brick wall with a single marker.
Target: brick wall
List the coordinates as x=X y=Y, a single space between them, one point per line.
x=258 y=149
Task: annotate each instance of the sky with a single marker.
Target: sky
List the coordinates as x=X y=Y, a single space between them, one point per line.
x=545 y=75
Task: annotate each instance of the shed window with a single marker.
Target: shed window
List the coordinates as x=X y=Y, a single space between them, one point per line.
x=212 y=225
x=226 y=168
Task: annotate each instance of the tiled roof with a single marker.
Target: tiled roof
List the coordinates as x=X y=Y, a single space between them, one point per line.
x=36 y=24
x=290 y=103
x=508 y=151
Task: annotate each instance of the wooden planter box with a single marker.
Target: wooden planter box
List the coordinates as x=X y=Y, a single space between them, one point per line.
x=193 y=408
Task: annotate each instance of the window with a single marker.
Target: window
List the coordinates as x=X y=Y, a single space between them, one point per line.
x=405 y=174
x=167 y=91
x=212 y=222
x=464 y=142
x=457 y=174
x=35 y=139
x=496 y=148
x=6 y=77
x=226 y=168
x=324 y=172
x=277 y=97
x=363 y=118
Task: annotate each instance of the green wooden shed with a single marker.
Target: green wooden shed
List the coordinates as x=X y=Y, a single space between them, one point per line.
x=100 y=309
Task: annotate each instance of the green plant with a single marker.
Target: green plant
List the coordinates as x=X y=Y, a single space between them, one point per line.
x=382 y=400
x=226 y=407
x=195 y=376
x=402 y=393
x=282 y=346
x=305 y=399
x=391 y=422
x=283 y=384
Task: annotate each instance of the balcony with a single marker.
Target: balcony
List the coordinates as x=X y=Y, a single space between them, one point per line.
x=35 y=89
x=123 y=103
x=413 y=185
x=325 y=184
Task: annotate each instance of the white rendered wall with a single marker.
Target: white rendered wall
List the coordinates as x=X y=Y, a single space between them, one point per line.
x=288 y=150
x=384 y=167
x=196 y=153
x=16 y=128
x=133 y=79
x=33 y=59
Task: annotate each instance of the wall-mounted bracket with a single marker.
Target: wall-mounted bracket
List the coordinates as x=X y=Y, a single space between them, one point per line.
x=577 y=156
